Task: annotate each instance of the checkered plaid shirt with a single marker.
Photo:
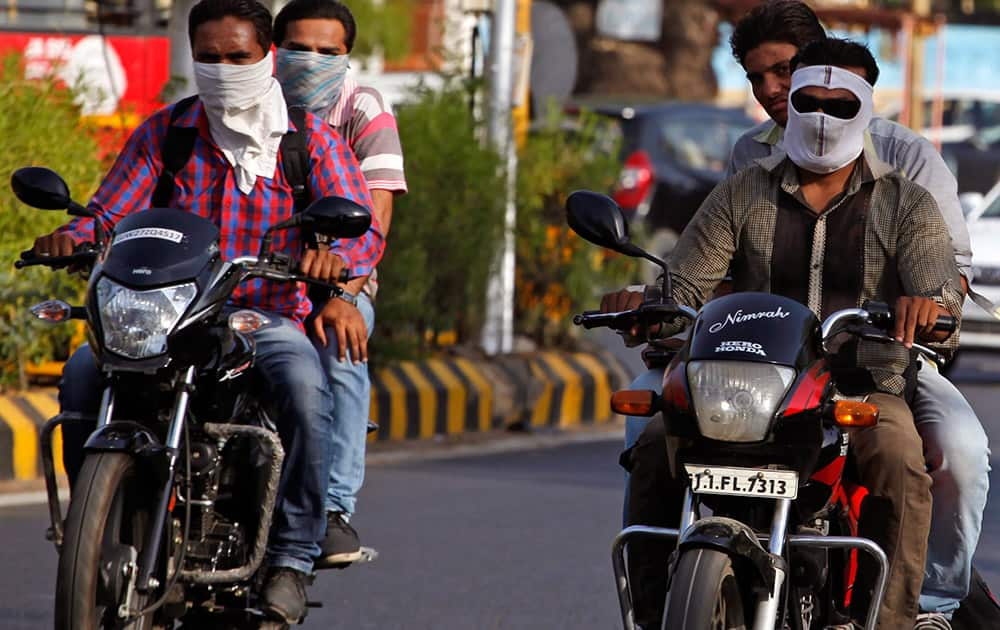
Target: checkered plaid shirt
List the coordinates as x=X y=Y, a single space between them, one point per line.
x=207 y=187
x=907 y=247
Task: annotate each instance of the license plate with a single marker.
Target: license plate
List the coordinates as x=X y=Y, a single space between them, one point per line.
x=747 y=482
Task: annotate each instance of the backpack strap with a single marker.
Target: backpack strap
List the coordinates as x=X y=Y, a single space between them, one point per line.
x=177 y=147
x=294 y=150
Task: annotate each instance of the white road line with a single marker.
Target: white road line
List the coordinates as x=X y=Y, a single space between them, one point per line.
x=505 y=444
x=18 y=499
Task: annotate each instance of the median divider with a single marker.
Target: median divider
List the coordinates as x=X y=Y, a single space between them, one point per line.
x=411 y=400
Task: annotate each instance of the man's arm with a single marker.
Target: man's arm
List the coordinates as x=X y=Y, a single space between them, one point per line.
x=126 y=188
x=335 y=171
x=706 y=247
x=921 y=163
x=926 y=265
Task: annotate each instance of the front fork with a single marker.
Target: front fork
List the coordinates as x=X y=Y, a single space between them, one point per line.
x=150 y=553
x=767 y=606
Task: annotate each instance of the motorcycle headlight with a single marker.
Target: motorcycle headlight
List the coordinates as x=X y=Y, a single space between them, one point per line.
x=136 y=323
x=734 y=401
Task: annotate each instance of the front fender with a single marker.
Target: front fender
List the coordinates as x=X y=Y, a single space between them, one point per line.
x=736 y=539
x=124 y=436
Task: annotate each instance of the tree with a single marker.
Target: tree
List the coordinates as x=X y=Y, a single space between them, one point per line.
x=678 y=65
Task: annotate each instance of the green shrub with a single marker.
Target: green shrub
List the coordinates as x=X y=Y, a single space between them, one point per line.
x=40 y=126
x=558 y=273
x=445 y=231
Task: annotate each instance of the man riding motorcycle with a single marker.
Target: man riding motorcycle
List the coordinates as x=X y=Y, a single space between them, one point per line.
x=234 y=177
x=830 y=225
x=955 y=446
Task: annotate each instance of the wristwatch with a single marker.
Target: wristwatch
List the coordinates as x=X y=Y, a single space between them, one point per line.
x=350 y=298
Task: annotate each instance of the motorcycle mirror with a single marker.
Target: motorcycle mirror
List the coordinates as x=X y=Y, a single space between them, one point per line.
x=598 y=219
x=336 y=217
x=43 y=188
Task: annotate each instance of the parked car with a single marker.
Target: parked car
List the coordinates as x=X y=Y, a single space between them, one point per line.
x=673 y=155
x=981 y=330
x=969 y=136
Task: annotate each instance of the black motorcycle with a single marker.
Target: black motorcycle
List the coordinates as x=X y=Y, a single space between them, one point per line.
x=169 y=516
x=758 y=427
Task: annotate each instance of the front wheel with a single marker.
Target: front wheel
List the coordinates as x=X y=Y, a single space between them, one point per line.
x=704 y=594
x=106 y=528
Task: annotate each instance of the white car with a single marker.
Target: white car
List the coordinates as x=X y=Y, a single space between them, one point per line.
x=981 y=330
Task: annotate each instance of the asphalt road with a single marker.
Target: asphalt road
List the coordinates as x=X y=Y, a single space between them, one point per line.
x=516 y=540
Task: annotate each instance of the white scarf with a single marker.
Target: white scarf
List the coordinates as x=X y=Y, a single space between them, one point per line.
x=821 y=143
x=247 y=116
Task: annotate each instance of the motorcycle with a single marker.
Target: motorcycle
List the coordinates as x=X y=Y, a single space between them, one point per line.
x=169 y=516
x=759 y=431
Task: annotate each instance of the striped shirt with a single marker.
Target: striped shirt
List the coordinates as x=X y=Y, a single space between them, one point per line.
x=207 y=187
x=906 y=247
x=362 y=118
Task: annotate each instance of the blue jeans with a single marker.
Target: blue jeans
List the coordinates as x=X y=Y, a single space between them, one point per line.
x=958 y=462
x=295 y=384
x=351 y=390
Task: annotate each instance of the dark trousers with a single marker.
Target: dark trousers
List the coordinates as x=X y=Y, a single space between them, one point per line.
x=896 y=515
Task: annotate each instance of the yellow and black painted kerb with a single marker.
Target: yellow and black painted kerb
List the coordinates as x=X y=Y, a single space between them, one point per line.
x=21 y=420
x=414 y=400
x=410 y=400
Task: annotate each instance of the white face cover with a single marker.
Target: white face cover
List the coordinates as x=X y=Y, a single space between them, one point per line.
x=821 y=143
x=246 y=115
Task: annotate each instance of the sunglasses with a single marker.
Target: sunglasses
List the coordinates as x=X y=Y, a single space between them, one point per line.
x=845 y=108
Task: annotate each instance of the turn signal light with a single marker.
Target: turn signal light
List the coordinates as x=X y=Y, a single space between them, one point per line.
x=853 y=414
x=52 y=311
x=247 y=321
x=635 y=403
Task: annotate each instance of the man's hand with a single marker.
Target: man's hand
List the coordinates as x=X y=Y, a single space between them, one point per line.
x=620 y=301
x=349 y=326
x=320 y=264
x=916 y=317
x=54 y=244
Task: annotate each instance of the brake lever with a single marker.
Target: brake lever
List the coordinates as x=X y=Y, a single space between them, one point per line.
x=930 y=353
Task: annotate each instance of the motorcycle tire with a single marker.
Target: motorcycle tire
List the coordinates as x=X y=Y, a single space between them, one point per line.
x=105 y=507
x=704 y=594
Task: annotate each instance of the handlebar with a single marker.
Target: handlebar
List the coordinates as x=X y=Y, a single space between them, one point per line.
x=879 y=316
x=623 y=321
x=85 y=255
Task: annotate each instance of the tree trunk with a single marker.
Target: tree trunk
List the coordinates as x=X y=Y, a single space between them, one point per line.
x=679 y=65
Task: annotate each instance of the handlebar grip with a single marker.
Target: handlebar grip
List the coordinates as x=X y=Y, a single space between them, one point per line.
x=946 y=323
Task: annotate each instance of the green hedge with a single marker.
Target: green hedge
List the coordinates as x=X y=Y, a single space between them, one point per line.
x=40 y=126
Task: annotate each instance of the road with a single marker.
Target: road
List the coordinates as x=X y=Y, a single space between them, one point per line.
x=516 y=540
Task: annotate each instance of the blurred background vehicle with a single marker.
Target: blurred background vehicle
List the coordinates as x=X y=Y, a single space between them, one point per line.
x=979 y=329
x=969 y=135
x=673 y=154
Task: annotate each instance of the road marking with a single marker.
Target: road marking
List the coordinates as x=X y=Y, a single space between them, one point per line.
x=20 y=499
x=425 y=394
x=483 y=387
x=454 y=394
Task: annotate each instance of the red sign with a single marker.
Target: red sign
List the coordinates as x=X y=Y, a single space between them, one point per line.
x=119 y=76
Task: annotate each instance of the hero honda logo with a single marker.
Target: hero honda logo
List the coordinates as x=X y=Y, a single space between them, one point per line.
x=741 y=346
x=739 y=317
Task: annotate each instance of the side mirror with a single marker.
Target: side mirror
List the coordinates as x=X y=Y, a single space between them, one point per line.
x=598 y=219
x=43 y=188
x=336 y=217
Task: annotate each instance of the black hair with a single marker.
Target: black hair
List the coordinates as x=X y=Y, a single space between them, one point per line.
x=316 y=10
x=843 y=53
x=249 y=10
x=788 y=21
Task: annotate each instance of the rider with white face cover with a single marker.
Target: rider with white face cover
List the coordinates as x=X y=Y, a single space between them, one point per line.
x=246 y=115
x=818 y=141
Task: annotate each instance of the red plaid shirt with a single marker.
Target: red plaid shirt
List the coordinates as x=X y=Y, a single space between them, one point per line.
x=207 y=187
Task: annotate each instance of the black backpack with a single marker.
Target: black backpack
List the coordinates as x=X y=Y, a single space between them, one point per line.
x=179 y=143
